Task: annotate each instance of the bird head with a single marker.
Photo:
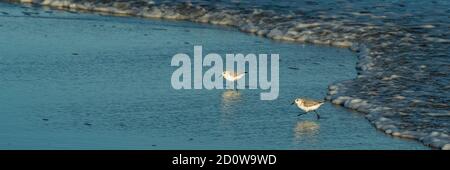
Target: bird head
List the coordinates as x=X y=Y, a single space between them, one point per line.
x=297 y=101
x=224 y=73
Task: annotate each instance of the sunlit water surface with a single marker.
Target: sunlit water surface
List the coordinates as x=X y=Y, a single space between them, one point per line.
x=85 y=81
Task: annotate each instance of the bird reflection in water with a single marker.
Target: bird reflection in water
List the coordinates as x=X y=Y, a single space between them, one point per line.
x=230 y=100
x=229 y=97
x=306 y=131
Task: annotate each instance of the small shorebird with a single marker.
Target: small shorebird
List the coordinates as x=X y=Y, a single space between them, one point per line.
x=232 y=76
x=308 y=105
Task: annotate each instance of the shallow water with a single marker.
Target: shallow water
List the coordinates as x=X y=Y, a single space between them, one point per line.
x=77 y=81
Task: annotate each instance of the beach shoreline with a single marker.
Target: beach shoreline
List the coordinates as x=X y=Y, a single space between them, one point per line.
x=378 y=47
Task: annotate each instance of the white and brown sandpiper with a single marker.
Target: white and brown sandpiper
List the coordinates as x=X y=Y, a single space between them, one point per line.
x=308 y=105
x=232 y=76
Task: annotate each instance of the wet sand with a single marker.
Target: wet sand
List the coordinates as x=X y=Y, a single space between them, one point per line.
x=402 y=70
x=84 y=81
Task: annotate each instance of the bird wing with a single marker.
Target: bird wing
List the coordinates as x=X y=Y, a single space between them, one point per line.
x=309 y=103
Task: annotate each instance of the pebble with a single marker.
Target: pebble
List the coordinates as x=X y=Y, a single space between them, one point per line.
x=446 y=147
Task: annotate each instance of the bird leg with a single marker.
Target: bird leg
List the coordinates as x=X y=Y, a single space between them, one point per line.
x=317 y=114
x=301 y=114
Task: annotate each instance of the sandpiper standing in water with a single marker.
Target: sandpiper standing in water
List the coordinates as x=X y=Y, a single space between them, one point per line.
x=308 y=105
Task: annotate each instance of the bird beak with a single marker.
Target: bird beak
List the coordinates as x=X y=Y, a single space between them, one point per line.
x=293 y=103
